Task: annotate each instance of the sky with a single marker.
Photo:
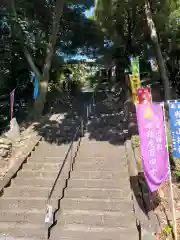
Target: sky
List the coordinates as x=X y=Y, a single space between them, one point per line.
x=89 y=12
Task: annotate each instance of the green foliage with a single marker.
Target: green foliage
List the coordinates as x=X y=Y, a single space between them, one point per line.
x=124 y=25
x=135 y=141
x=167 y=230
x=32 y=28
x=82 y=73
x=26 y=27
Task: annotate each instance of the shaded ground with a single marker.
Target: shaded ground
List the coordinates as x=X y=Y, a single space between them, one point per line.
x=57 y=130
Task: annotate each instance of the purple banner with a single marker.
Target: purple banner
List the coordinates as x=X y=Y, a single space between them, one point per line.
x=153 y=144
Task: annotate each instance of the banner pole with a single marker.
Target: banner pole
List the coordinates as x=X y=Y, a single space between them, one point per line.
x=12 y=103
x=170 y=181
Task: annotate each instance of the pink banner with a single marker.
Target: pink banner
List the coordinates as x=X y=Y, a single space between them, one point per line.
x=12 y=102
x=153 y=144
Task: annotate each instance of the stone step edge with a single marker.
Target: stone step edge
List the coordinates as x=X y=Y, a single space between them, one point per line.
x=20 y=226
x=21 y=211
x=76 y=227
x=108 y=200
x=20 y=198
x=91 y=213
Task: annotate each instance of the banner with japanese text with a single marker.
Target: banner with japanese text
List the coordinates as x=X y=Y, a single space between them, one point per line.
x=152 y=135
x=144 y=95
x=174 y=116
x=135 y=84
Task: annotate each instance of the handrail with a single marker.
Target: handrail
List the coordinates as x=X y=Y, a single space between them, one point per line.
x=80 y=127
x=65 y=159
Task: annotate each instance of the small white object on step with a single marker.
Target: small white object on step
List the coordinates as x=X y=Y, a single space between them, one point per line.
x=49 y=215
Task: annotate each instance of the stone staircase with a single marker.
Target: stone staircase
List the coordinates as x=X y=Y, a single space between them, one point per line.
x=23 y=204
x=97 y=202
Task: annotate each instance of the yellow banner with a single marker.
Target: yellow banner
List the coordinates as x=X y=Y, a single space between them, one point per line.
x=135 y=84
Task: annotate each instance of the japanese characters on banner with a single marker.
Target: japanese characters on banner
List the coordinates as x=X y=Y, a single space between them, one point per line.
x=144 y=95
x=135 y=84
x=174 y=115
x=153 y=144
x=12 y=103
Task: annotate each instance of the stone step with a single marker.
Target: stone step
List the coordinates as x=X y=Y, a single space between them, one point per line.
x=98 y=219
x=41 y=174
x=30 y=192
x=25 y=203
x=23 y=238
x=86 y=159
x=20 y=230
x=25 y=216
x=58 y=159
x=97 y=183
x=51 y=149
x=48 y=152
x=98 y=174
x=42 y=166
x=100 y=151
x=36 y=182
x=96 y=204
x=98 y=193
x=75 y=232
x=91 y=166
x=100 y=160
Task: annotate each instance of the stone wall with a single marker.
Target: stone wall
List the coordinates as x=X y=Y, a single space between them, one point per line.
x=5 y=154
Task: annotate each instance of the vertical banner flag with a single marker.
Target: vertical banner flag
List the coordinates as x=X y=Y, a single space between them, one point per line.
x=174 y=115
x=144 y=95
x=135 y=66
x=12 y=103
x=35 y=84
x=135 y=84
x=153 y=144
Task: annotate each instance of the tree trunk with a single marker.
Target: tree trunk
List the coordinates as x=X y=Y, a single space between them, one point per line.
x=160 y=60
x=43 y=85
x=31 y=63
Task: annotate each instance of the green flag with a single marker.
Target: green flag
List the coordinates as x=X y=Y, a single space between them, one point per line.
x=135 y=66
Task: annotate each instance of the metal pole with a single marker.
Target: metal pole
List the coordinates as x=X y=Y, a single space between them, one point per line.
x=82 y=128
x=90 y=108
x=93 y=100
x=87 y=111
x=170 y=181
x=71 y=167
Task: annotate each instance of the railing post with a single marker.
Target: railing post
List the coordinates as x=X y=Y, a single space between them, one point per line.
x=87 y=111
x=90 y=108
x=71 y=167
x=82 y=128
x=93 y=100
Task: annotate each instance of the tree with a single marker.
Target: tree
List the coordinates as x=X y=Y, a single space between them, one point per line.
x=33 y=21
x=39 y=104
x=125 y=24
x=120 y=22
x=160 y=60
